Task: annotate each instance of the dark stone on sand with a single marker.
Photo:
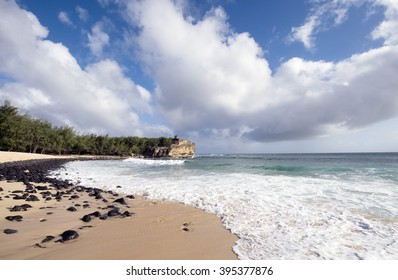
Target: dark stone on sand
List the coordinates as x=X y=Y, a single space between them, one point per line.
x=74 y=196
x=17 y=191
x=185 y=229
x=48 y=198
x=118 y=187
x=32 y=198
x=103 y=217
x=69 y=235
x=10 y=231
x=98 y=196
x=115 y=194
x=113 y=213
x=127 y=214
x=47 y=238
x=17 y=218
x=86 y=218
x=1 y=189
x=37 y=245
x=22 y=207
x=78 y=205
x=95 y=214
x=86 y=205
x=130 y=196
x=72 y=209
x=41 y=188
x=83 y=227
x=121 y=201
x=50 y=213
x=105 y=201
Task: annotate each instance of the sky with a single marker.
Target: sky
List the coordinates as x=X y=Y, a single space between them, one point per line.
x=234 y=76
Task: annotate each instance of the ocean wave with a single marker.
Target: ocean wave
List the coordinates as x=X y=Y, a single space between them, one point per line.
x=139 y=161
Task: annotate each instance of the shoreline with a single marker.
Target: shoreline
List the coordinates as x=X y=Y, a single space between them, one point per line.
x=109 y=225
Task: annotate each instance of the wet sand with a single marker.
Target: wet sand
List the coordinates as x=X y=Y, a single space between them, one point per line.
x=139 y=229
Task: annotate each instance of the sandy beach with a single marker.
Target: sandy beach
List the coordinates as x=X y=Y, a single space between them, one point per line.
x=109 y=225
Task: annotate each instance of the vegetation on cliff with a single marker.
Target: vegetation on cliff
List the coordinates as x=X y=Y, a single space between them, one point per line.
x=22 y=133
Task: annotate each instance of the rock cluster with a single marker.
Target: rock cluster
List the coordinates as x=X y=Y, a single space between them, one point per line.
x=35 y=172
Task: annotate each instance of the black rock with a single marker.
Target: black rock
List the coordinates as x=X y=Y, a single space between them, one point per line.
x=127 y=214
x=86 y=218
x=17 y=191
x=41 y=188
x=10 y=231
x=130 y=196
x=86 y=205
x=32 y=198
x=69 y=235
x=72 y=209
x=121 y=201
x=1 y=189
x=17 y=218
x=74 y=196
x=118 y=187
x=113 y=213
x=22 y=207
x=47 y=238
x=103 y=217
x=95 y=214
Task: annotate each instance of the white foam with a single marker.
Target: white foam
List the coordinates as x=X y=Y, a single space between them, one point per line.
x=276 y=217
x=138 y=161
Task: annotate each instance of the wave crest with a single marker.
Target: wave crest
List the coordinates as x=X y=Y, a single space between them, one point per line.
x=140 y=161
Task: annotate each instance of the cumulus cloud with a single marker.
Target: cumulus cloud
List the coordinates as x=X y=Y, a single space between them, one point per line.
x=48 y=82
x=213 y=80
x=64 y=18
x=97 y=39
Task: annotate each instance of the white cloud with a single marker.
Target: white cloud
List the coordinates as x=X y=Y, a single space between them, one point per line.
x=49 y=83
x=324 y=15
x=82 y=13
x=213 y=81
x=64 y=18
x=387 y=30
x=98 y=39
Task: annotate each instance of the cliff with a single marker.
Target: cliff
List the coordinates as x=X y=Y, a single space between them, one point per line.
x=179 y=149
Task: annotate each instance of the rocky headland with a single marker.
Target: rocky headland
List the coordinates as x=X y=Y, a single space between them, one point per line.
x=179 y=149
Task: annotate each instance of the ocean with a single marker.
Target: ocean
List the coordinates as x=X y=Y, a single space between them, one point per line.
x=281 y=206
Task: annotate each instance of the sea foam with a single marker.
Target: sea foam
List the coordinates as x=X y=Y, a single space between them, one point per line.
x=275 y=215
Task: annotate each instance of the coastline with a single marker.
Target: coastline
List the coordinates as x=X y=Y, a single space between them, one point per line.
x=140 y=228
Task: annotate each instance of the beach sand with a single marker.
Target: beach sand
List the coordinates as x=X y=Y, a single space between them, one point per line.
x=156 y=229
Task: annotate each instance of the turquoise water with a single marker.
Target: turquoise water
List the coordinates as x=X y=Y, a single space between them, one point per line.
x=282 y=206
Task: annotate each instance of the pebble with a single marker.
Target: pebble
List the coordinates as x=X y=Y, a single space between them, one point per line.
x=72 y=209
x=10 y=231
x=17 y=218
x=69 y=235
x=121 y=201
x=47 y=238
x=113 y=213
x=86 y=218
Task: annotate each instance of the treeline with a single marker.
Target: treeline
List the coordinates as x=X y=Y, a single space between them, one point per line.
x=22 y=133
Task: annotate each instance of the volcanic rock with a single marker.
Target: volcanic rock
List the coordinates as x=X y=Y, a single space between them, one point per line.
x=86 y=218
x=69 y=235
x=10 y=231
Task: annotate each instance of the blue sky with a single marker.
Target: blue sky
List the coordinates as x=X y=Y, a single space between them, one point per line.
x=232 y=75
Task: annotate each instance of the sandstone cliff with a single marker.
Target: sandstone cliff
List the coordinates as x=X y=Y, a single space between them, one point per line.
x=179 y=149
